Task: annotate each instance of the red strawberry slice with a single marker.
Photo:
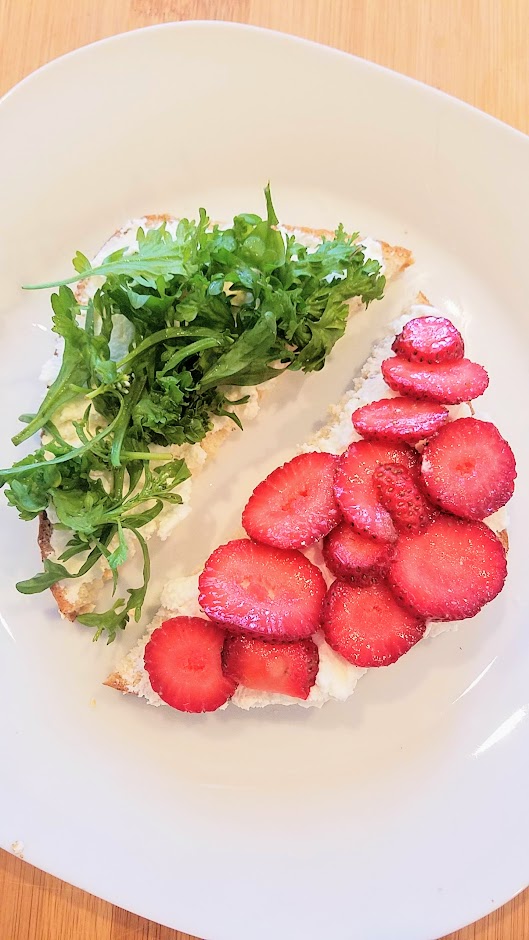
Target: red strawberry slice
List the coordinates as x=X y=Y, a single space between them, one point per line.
x=399 y=419
x=355 y=488
x=400 y=495
x=449 y=571
x=355 y=557
x=184 y=661
x=449 y=383
x=469 y=469
x=429 y=339
x=287 y=668
x=266 y=591
x=295 y=505
x=367 y=625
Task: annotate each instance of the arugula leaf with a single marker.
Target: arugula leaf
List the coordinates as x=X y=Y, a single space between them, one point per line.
x=162 y=336
x=20 y=469
x=117 y=617
x=255 y=344
x=271 y=216
x=110 y=621
x=180 y=355
x=119 y=556
x=28 y=497
x=52 y=573
x=73 y=371
x=158 y=255
x=138 y=519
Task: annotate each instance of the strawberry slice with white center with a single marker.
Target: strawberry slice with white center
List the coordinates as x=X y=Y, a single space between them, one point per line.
x=449 y=571
x=429 y=339
x=295 y=505
x=367 y=625
x=286 y=668
x=468 y=469
x=447 y=383
x=355 y=488
x=355 y=557
x=183 y=659
x=399 y=419
x=266 y=591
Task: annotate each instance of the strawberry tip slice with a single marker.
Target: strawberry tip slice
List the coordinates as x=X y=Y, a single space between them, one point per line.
x=355 y=489
x=399 y=494
x=429 y=339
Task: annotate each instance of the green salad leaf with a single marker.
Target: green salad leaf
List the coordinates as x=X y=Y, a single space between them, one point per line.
x=155 y=353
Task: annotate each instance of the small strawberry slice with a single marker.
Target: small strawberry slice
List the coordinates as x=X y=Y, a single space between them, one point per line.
x=355 y=489
x=468 y=469
x=399 y=419
x=355 y=557
x=448 y=383
x=183 y=659
x=449 y=571
x=295 y=505
x=367 y=625
x=256 y=589
x=429 y=339
x=287 y=668
x=400 y=495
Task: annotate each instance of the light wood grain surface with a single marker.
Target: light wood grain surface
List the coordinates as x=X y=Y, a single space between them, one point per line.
x=477 y=50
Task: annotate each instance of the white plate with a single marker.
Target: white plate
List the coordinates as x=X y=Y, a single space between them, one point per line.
x=403 y=814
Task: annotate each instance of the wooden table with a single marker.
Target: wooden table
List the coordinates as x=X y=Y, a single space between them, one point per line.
x=477 y=50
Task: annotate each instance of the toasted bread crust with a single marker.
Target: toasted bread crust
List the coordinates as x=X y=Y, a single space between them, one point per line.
x=396 y=259
x=115 y=681
x=66 y=609
x=44 y=536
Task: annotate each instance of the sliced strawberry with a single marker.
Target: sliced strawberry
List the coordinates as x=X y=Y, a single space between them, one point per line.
x=399 y=419
x=449 y=571
x=295 y=505
x=429 y=339
x=184 y=661
x=469 y=469
x=355 y=489
x=449 y=383
x=400 y=495
x=355 y=557
x=261 y=590
x=367 y=625
x=287 y=668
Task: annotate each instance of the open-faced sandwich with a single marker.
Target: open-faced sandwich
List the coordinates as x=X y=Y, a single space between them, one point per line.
x=387 y=527
x=165 y=347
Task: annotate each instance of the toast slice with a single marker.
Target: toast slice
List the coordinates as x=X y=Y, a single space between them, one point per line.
x=336 y=677
x=80 y=595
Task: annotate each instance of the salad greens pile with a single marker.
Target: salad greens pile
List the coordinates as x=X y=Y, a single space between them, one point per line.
x=205 y=309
